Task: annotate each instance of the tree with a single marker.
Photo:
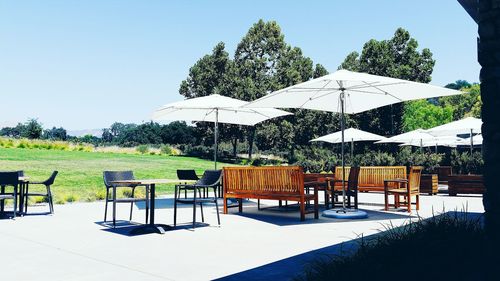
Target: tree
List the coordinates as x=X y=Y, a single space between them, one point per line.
x=256 y=59
x=398 y=58
x=464 y=105
x=457 y=85
x=425 y=115
x=206 y=74
x=55 y=134
x=32 y=129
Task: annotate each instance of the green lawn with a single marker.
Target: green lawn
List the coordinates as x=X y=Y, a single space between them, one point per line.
x=80 y=173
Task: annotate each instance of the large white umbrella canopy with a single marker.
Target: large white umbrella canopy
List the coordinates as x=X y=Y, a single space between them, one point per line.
x=349 y=92
x=362 y=92
x=207 y=108
x=350 y=134
x=217 y=109
x=462 y=126
x=468 y=125
x=449 y=141
x=477 y=139
x=416 y=137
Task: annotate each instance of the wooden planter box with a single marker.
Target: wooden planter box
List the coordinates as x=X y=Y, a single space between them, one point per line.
x=429 y=184
x=465 y=184
x=444 y=173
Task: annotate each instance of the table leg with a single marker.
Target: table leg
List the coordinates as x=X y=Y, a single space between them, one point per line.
x=152 y=190
x=151 y=227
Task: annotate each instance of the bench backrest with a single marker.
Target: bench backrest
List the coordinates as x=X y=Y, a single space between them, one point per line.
x=374 y=176
x=272 y=180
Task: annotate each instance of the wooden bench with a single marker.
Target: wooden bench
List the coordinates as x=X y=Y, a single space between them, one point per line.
x=372 y=178
x=274 y=183
x=465 y=184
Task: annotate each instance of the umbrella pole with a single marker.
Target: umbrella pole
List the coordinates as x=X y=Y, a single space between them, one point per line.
x=342 y=125
x=471 y=142
x=352 y=151
x=215 y=136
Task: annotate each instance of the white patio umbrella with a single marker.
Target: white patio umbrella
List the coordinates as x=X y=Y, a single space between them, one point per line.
x=477 y=139
x=468 y=125
x=449 y=141
x=217 y=109
x=414 y=138
x=349 y=92
x=350 y=134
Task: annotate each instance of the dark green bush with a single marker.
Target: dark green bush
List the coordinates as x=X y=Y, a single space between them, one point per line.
x=465 y=163
x=444 y=247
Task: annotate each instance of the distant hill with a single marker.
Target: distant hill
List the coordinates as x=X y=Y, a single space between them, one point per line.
x=81 y=133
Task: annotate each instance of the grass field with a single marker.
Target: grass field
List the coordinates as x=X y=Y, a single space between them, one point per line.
x=80 y=173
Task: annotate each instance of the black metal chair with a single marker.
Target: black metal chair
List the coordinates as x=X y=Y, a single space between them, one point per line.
x=188 y=175
x=109 y=177
x=9 y=179
x=47 y=194
x=210 y=179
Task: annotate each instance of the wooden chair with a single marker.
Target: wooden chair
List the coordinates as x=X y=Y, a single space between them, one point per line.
x=351 y=189
x=406 y=188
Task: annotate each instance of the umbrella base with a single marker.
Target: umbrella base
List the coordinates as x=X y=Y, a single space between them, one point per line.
x=345 y=214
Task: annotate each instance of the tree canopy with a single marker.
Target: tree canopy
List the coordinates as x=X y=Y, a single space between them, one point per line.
x=397 y=57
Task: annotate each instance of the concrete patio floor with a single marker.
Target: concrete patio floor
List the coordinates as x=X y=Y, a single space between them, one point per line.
x=74 y=244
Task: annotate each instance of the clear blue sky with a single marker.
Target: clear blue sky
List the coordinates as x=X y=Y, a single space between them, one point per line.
x=87 y=64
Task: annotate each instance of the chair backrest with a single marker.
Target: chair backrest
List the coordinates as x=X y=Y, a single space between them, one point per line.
x=187 y=175
x=414 y=178
x=352 y=183
x=110 y=176
x=9 y=178
x=210 y=177
x=51 y=179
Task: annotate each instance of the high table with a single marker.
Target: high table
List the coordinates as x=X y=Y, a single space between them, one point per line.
x=150 y=227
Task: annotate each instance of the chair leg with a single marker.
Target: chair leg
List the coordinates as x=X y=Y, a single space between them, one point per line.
x=49 y=198
x=132 y=203
x=147 y=203
x=201 y=209
x=15 y=205
x=418 y=201
x=175 y=206
x=114 y=206
x=106 y=204
x=194 y=211
x=26 y=199
x=386 y=201
x=217 y=208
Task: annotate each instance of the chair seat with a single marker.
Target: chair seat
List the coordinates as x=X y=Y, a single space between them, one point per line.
x=401 y=190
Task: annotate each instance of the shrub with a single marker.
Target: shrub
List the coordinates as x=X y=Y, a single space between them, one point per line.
x=100 y=195
x=465 y=163
x=142 y=148
x=430 y=161
x=166 y=149
x=429 y=242
x=71 y=198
